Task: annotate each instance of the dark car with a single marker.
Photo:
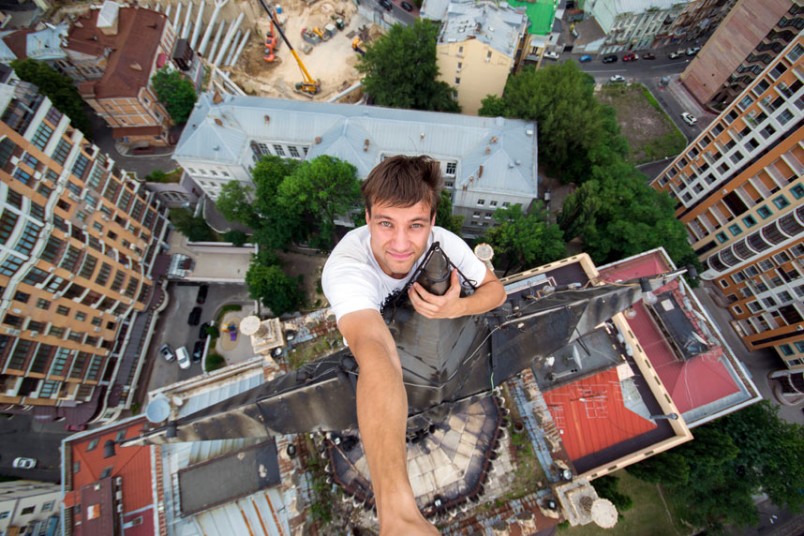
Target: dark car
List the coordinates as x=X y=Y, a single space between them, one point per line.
x=202 y=330
x=202 y=294
x=648 y=56
x=198 y=350
x=611 y=58
x=406 y=6
x=386 y=4
x=195 y=316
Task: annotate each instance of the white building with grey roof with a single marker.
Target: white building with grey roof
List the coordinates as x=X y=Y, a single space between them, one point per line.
x=477 y=49
x=634 y=24
x=487 y=163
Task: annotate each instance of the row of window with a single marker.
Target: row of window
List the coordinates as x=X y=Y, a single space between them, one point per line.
x=30 y=510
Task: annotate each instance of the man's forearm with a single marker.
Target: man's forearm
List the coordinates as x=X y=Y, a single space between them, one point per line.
x=486 y=297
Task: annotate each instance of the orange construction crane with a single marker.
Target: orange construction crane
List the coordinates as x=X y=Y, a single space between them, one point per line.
x=308 y=86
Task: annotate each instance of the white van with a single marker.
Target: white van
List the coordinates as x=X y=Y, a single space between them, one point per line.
x=183 y=358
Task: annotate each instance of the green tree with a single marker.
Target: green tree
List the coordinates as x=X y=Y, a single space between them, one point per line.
x=176 y=92
x=236 y=237
x=59 y=88
x=273 y=288
x=444 y=216
x=401 y=71
x=195 y=228
x=317 y=192
x=234 y=202
x=716 y=475
x=524 y=240
x=573 y=127
x=606 y=487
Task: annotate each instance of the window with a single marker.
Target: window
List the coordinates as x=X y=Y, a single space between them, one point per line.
x=22 y=297
x=735 y=229
x=4 y=515
x=722 y=237
x=80 y=316
x=781 y=201
x=764 y=212
x=28 y=510
x=786 y=349
x=93 y=444
x=279 y=150
x=451 y=168
x=785 y=117
x=42 y=303
x=481 y=201
x=48 y=506
x=749 y=221
x=42 y=136
x=457 y=80
x=62 y=310
x=765 y=265
x=106 y=473
x=761 y=87
x=745 y=102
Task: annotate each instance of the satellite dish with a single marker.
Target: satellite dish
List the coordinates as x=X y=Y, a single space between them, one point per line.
x=158 y=410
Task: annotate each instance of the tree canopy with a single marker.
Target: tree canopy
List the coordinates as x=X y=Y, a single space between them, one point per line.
x=444 y=216
x=401 y=71
x=59 y=88
x=176 y=92
x=575 y=131
x=716 y=475
x=273 y=288
x=525 y=240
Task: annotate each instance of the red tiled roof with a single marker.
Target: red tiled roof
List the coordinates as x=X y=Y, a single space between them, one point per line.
x=18 y=42
x=131 y=464
x=592 y=416
x=692 y=383
x=135 y=44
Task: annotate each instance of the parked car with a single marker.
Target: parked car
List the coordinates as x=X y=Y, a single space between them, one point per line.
x=167 y=352
x=631 y=56
x=198 y=350
x=616 y=78
x=550 y=55
x=195 y=316
x=586 y=58
x=183 y=357
x=201 y=297
x=693 y=51
x=386 y=4
x=689 y=118
x=675 y=55
x=406 y=6
x=202 y=330
x=648 y=56
x=23 y=463
x=611 y=58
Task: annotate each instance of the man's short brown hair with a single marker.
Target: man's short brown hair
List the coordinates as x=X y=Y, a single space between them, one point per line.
x=403 y=181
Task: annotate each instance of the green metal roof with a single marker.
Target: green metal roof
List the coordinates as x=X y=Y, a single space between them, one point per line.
x=540 y=14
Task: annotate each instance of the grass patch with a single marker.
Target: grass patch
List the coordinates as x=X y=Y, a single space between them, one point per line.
x=311 y=350
x=214 y=362
x=163 y=177
x=651 y=134
x=648 y=516
x=227 y=309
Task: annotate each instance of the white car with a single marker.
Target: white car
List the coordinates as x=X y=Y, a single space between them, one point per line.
x=183 y=357
x=617 y=78
x=550 y=55
x=23 y=463
x=689 y=118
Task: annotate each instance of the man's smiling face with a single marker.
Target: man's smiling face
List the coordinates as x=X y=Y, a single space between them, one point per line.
x=399 y=236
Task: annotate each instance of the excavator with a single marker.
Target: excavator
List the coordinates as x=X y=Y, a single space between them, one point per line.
x=308 y=86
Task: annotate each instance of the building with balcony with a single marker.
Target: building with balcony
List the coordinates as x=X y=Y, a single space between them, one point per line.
x=112 y=54
x=477 y=49
x=634 y=24
x=747 y=40
x=28 y=507
x=739 y=191
x=487 y=163
x=79 y=241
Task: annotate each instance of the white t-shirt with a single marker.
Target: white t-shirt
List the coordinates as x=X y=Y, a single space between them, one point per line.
x=353 y=280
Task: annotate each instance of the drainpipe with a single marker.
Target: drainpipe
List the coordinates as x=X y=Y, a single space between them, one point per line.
x=228 y=39
x=199 y=21
x=240 y=47
x=218 y=35
x=208 y=33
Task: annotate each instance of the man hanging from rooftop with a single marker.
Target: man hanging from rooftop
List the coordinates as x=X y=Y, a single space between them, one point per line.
x=369 y=264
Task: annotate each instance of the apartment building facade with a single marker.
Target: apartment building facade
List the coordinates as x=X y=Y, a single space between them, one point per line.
x=634 y=24
x=747 y=40
x=29 y=507
x=78 y=243
x=477 y=49
x=740 y=192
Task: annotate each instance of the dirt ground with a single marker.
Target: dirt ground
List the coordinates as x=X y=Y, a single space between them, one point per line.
x=649 y=131
x=331 y=62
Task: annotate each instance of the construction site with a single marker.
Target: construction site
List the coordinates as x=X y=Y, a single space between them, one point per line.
x=241 y=42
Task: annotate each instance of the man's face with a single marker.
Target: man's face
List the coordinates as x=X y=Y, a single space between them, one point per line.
x=399 y=236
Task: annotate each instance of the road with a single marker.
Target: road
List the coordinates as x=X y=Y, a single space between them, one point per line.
x=21 y=435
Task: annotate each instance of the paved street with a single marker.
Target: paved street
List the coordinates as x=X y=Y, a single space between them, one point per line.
x=21 y=435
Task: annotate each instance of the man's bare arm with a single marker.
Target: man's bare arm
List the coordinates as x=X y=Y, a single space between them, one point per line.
x=382 y=411
x=489 y=295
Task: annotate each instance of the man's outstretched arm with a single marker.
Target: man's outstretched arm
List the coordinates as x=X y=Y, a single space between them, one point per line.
x=382 y=411
x=489 y=295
